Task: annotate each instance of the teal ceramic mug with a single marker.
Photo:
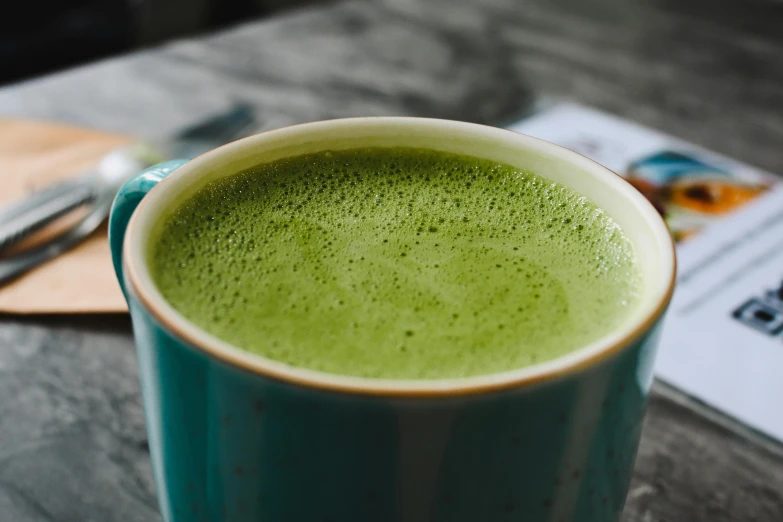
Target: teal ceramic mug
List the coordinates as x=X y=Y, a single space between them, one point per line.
x=237 y=437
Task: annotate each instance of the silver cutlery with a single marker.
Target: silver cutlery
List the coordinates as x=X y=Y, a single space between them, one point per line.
x=21 y=219
x=98 y=189
x=15 y=266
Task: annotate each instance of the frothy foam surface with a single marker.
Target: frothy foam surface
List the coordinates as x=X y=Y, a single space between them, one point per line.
x=396 y=263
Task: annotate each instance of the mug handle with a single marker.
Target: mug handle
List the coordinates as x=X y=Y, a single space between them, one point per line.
x=126 y=201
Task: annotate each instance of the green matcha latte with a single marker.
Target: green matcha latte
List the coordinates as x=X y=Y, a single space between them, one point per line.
x=396 y=263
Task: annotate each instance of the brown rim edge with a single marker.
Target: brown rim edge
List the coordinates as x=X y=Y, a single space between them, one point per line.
x=259 y=365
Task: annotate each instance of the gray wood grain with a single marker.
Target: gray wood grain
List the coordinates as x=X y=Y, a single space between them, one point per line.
x=72 y=439
x=693 y=468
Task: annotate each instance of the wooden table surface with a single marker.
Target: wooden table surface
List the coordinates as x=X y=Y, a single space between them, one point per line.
x=73 y=445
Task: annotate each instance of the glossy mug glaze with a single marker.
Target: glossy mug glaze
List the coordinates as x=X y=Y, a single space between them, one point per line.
x=237 y=437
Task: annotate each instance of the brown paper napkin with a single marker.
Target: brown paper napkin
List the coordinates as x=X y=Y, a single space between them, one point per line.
x=32 y=155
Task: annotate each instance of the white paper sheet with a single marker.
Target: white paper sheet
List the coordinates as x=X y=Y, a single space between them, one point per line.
x=723 y=338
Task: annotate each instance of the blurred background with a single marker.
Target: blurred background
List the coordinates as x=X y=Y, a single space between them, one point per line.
x=78 y=31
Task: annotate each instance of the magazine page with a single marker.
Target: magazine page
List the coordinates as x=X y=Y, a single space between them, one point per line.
x=722 y=341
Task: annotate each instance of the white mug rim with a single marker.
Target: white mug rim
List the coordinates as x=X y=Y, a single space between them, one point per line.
x=139 y=283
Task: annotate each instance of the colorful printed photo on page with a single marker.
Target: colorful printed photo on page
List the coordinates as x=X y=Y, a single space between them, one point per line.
x=688 y=192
